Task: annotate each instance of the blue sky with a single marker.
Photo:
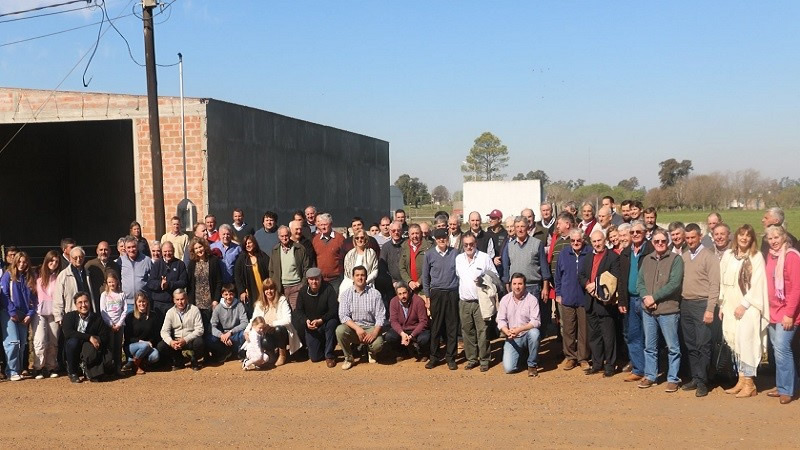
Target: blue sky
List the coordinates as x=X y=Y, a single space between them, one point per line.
x=594 y=90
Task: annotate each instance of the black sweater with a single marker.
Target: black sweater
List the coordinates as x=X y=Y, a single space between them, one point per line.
x=324 y=305
x=143 y=328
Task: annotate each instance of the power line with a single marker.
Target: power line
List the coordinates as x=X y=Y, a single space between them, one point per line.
x=47 y=14
x=59 y=32
x=44 y=7
x=52 y=92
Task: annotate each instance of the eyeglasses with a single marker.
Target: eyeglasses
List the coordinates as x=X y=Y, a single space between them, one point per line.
x=637 y=231
x=469 y=244
x=576 y=241
x=359 y=239
x=659 y=241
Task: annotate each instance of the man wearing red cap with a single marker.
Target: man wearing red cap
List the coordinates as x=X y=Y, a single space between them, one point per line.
x=498 y=234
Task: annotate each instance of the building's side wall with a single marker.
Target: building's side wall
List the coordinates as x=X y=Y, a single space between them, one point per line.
x=261 y=161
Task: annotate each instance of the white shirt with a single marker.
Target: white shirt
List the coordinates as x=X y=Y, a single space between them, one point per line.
x=468 y=271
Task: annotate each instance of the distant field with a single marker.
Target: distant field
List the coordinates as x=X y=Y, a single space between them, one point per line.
x=733 y=217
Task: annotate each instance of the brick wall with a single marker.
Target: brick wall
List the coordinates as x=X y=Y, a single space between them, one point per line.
x=31 y=105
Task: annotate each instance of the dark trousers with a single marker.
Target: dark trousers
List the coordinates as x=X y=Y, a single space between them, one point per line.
x=219 y=350
x=602 y=338
x=77 y=351
x=162 y=307
x=322 y=341
x=278 y=338
x=175 y=356
x=444 y=322
x=423 y=340
x=205 y=315
x=697 y=338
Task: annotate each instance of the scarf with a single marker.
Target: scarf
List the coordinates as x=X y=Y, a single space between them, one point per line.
x=778 y=276
x=587 y=226
x=745 y=272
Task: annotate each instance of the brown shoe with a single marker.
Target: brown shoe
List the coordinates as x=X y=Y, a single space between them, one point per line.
x=739 y=386
x=645 y=383
x=632 y=377
x=138 y=364
x=533 y=372
x=671 y=387
x=330 y=362
x=585 y=365
x=786 y=399
x=570 y=364
x=627 y=367
x=773 y=393
x=748 y=389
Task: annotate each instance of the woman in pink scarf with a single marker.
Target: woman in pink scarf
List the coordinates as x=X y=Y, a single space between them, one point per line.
x=783 y=288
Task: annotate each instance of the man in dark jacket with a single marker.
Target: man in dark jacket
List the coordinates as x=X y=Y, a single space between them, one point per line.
x=601 y=307
x=316 y=318
x=287 y=263
x=166 y=275
x=86 y=339
x=630 y=301
x=570 y=299
x=96 y=269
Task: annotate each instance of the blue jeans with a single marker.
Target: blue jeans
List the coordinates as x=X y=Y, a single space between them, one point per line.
x=513 y=348
x=785 y=373
x=635 y=335
x=140 y=350
x=15 y=341
x=668 y=324
x=222 y=351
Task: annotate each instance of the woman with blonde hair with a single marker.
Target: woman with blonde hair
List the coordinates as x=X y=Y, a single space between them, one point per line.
x=783 y=289
x=279 y=332
x=360 y=255
x=744 y=307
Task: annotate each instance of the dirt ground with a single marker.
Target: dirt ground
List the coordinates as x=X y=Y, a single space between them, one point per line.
x=398 y=405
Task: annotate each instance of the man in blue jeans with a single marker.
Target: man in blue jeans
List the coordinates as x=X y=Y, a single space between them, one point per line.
x=660 y=281
x=228 y=322
x=630 y=300
x=518 y=319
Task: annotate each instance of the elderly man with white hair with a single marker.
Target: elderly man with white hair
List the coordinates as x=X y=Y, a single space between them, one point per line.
x=775 y=216
x=70 y=281
x=229 y=252
x=600 y=304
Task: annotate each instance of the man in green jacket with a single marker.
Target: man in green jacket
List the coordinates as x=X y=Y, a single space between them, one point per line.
x=660 y=280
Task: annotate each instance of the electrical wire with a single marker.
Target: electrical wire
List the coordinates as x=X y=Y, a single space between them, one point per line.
x=44 y=7
x=47 y=14
x=96 y=44
x=59 y=32
x=52 y=92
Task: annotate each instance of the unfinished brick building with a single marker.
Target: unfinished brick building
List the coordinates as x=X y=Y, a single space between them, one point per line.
x=80 y=166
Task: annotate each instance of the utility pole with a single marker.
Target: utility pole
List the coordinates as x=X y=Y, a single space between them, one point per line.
x=152 y=106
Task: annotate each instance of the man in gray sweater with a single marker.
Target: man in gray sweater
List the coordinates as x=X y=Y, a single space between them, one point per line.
x=440 y=285
x=228 y=322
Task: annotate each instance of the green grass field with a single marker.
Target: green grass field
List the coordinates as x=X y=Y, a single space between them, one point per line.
x=733 y=217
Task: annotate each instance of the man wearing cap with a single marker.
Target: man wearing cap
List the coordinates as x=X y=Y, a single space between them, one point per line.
x=498 y=234
x=440 y=285
x=316 y=317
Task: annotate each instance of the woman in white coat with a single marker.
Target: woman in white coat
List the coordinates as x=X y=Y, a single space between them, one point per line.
x=360 y=255
x=280 y=332
x=744 y=307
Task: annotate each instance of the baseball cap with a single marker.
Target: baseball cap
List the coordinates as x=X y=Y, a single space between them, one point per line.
x=495 y=214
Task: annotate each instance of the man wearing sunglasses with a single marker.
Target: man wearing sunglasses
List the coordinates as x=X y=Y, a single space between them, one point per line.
x=660 y=281
x=630 y=300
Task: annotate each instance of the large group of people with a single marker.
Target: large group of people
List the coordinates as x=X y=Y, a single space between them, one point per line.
x=619 y=293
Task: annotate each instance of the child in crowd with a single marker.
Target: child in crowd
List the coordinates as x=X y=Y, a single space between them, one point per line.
x=256 y=356
x=112 y=310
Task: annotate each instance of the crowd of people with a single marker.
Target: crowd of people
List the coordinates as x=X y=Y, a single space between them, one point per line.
x=619 y=293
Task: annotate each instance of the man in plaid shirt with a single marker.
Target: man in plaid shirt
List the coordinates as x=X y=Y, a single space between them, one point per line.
x=362 y=314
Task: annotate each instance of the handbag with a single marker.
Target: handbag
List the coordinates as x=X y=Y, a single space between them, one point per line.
x=723 y=363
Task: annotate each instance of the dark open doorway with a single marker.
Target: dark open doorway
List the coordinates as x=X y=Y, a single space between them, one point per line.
x=66 y=179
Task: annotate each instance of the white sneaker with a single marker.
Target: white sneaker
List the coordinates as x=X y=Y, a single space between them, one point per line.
x=347 y=364
x=15 y=377
x=53 y=375
x=371 y=358
x=39 y=376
